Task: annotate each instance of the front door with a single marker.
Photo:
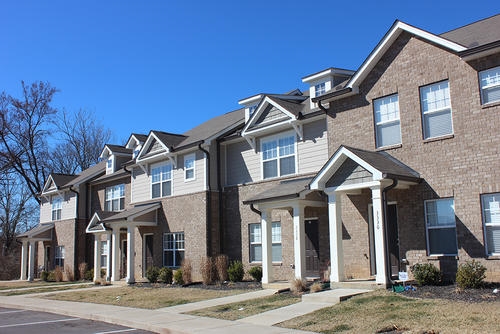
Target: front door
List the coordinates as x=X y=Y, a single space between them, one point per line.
x=148 y=252
x=123 y=271
x=393 y=238
x=312 y=248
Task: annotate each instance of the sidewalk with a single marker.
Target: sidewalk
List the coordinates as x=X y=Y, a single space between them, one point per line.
x=170 y=320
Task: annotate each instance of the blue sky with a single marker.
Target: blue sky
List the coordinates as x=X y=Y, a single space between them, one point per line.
x=171 y=65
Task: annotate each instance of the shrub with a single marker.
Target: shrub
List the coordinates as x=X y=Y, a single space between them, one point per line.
x=316 y=287
x=70 y=276
x=236 y=271
x=51 y=277
x=165 y=275
x=44 y=276
x=152 y=274
x=471 y=274
x=103 y=272
x=89 y=275
x=178 y=277
x=82 y=269
x=426 y=274
x=221 y=264
x=58 y=274
x=298 y=285
x=256 y=273
x=207 y=269
x=187 y=270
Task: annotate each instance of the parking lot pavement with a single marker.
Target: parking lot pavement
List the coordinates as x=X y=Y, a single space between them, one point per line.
x=31 y=322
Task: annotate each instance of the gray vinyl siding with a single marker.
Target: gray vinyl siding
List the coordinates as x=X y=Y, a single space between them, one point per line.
x=242 y=163
x=313 y=150
x=140 y=186
x=67 y=210
x=45 y=211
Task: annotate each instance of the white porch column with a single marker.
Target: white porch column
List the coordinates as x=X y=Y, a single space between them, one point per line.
x=115 y=264
x=299 y=241
x=267 y=245
x=108 y=258
x=31 y=261
x=24 y=260
x=378 y=222
x=130 y=254
x=97 y=257
x=335 y=227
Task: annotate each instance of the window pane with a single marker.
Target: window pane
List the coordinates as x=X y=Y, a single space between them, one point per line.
x=388 y=134
x=155 y=177
x=491 y=94
x=287 y=165
x=440 y=212
x=493 y=239
x=287 y=146
x=386 y=109
x=490 y=77
x=269 y=150
x=491 y=208
x=256 y=253
x=190 y=174
x=179 y=256
x=443 y=241
x=155 y=191
x=386 y=114
x=168 y=258
x=276 y=232
x=276 y=253
x=438 y=124
x=166 y=189
x=436 y=96
x=255 y=233
x=270 y=168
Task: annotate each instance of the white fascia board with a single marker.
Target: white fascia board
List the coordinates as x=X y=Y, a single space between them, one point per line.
x=250 y=100
x=105 y=152
x=146 y=145
x=267 y=101
x=326 y=73
x=386 y=43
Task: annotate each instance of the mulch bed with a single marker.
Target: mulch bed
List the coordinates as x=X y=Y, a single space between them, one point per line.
x=452 y=292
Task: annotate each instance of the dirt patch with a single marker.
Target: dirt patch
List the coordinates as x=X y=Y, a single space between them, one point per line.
x=452 y=292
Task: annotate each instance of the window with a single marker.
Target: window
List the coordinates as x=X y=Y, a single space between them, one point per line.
x=387 y=124
x=189 y=162
x=319 y=89
x=278 y=157
x=60 y=256
x=256 y=242
x=115 y=198
x=161 y=181
x=436 y=110
x=56 y=208
x=109 y=165
x=104 y=253
x=491 y=221
x=173 y=249
x=251 y=110
x=489 y=81
x=441 y=227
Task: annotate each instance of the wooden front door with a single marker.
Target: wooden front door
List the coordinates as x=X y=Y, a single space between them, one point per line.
x=312 y=248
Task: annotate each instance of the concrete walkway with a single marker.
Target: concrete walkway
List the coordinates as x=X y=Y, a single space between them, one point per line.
x=171 y=320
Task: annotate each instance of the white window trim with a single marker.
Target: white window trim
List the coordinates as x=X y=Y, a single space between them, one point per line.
x=160 y=164
x=488 y=224
x=273 y=243
x=276 y=138
x=187 y=157
x=251 y=243
x=60 y=253
x=280 y=242
x=110 y=169
x=440 y=227
x=391 y=121
x=59 y=199
x=113 y=198
x=435 y=111
x=104 y=252
x=319 y=88
x=482 y=88
x=174 y=234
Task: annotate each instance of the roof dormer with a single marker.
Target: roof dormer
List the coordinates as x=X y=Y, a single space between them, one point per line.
x=115 y=155
x=324 y=81
x=135 y=143
x=250 y=103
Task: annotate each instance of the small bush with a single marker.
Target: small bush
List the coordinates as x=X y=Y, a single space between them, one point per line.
x=207 y=270
x=316 y=287
x=256 y=273
x=298 y=285
x=58 y=274
x=44 y=276
x=165 y=275
x=82 y=269
x=51 y=277
x=426 y=274
x=187 y=269
x=89 y=275
x=103 y=272
x=70 y=276
x=221 y=264
x=178 y=277
x=470 y=275
x=152 y=274
x=236 y=271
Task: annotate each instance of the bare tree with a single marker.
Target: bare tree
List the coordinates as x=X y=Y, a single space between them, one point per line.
x=17 y=210
x=24 y=127
x=82 y=141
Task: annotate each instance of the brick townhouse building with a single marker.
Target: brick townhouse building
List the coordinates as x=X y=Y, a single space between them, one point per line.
x=366 y=173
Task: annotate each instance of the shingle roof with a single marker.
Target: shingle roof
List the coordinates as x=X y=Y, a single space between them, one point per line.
x=294 y=108
x=287 y=189
x=108 y=177
x=140 y=137
x=62 y=179
x=476 y=34
x=88 y=173
x=169 y=139
x=37 y=230
x=119 y=149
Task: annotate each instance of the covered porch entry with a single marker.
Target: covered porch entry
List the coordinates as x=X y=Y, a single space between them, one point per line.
x=29 y=239
x=120 y=252
x=363 y=230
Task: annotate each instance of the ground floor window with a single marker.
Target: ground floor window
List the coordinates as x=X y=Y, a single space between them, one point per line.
x=491 y=222
x=441 y=227
x=255 y=239
x=104 y=253
x=60 y=256
x=173 y=249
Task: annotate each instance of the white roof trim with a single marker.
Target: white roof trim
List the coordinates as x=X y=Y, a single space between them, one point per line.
x=387 y=41
x=325 y=73
x=146 y=146
x=262 y=106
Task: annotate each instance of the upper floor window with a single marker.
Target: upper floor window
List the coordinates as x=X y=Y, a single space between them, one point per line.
x=115 y=198
x=109 y=165
x=189 y=163
x=387 y=124
x=278 y=156
x=161 y=181
x=436 y=110
x=56 y=208
x=491 y=221
x=490 y=85
x=441 y=227
x=319 y=89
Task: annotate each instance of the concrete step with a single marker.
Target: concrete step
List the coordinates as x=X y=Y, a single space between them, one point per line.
x=361 y=284
x=332 y=296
